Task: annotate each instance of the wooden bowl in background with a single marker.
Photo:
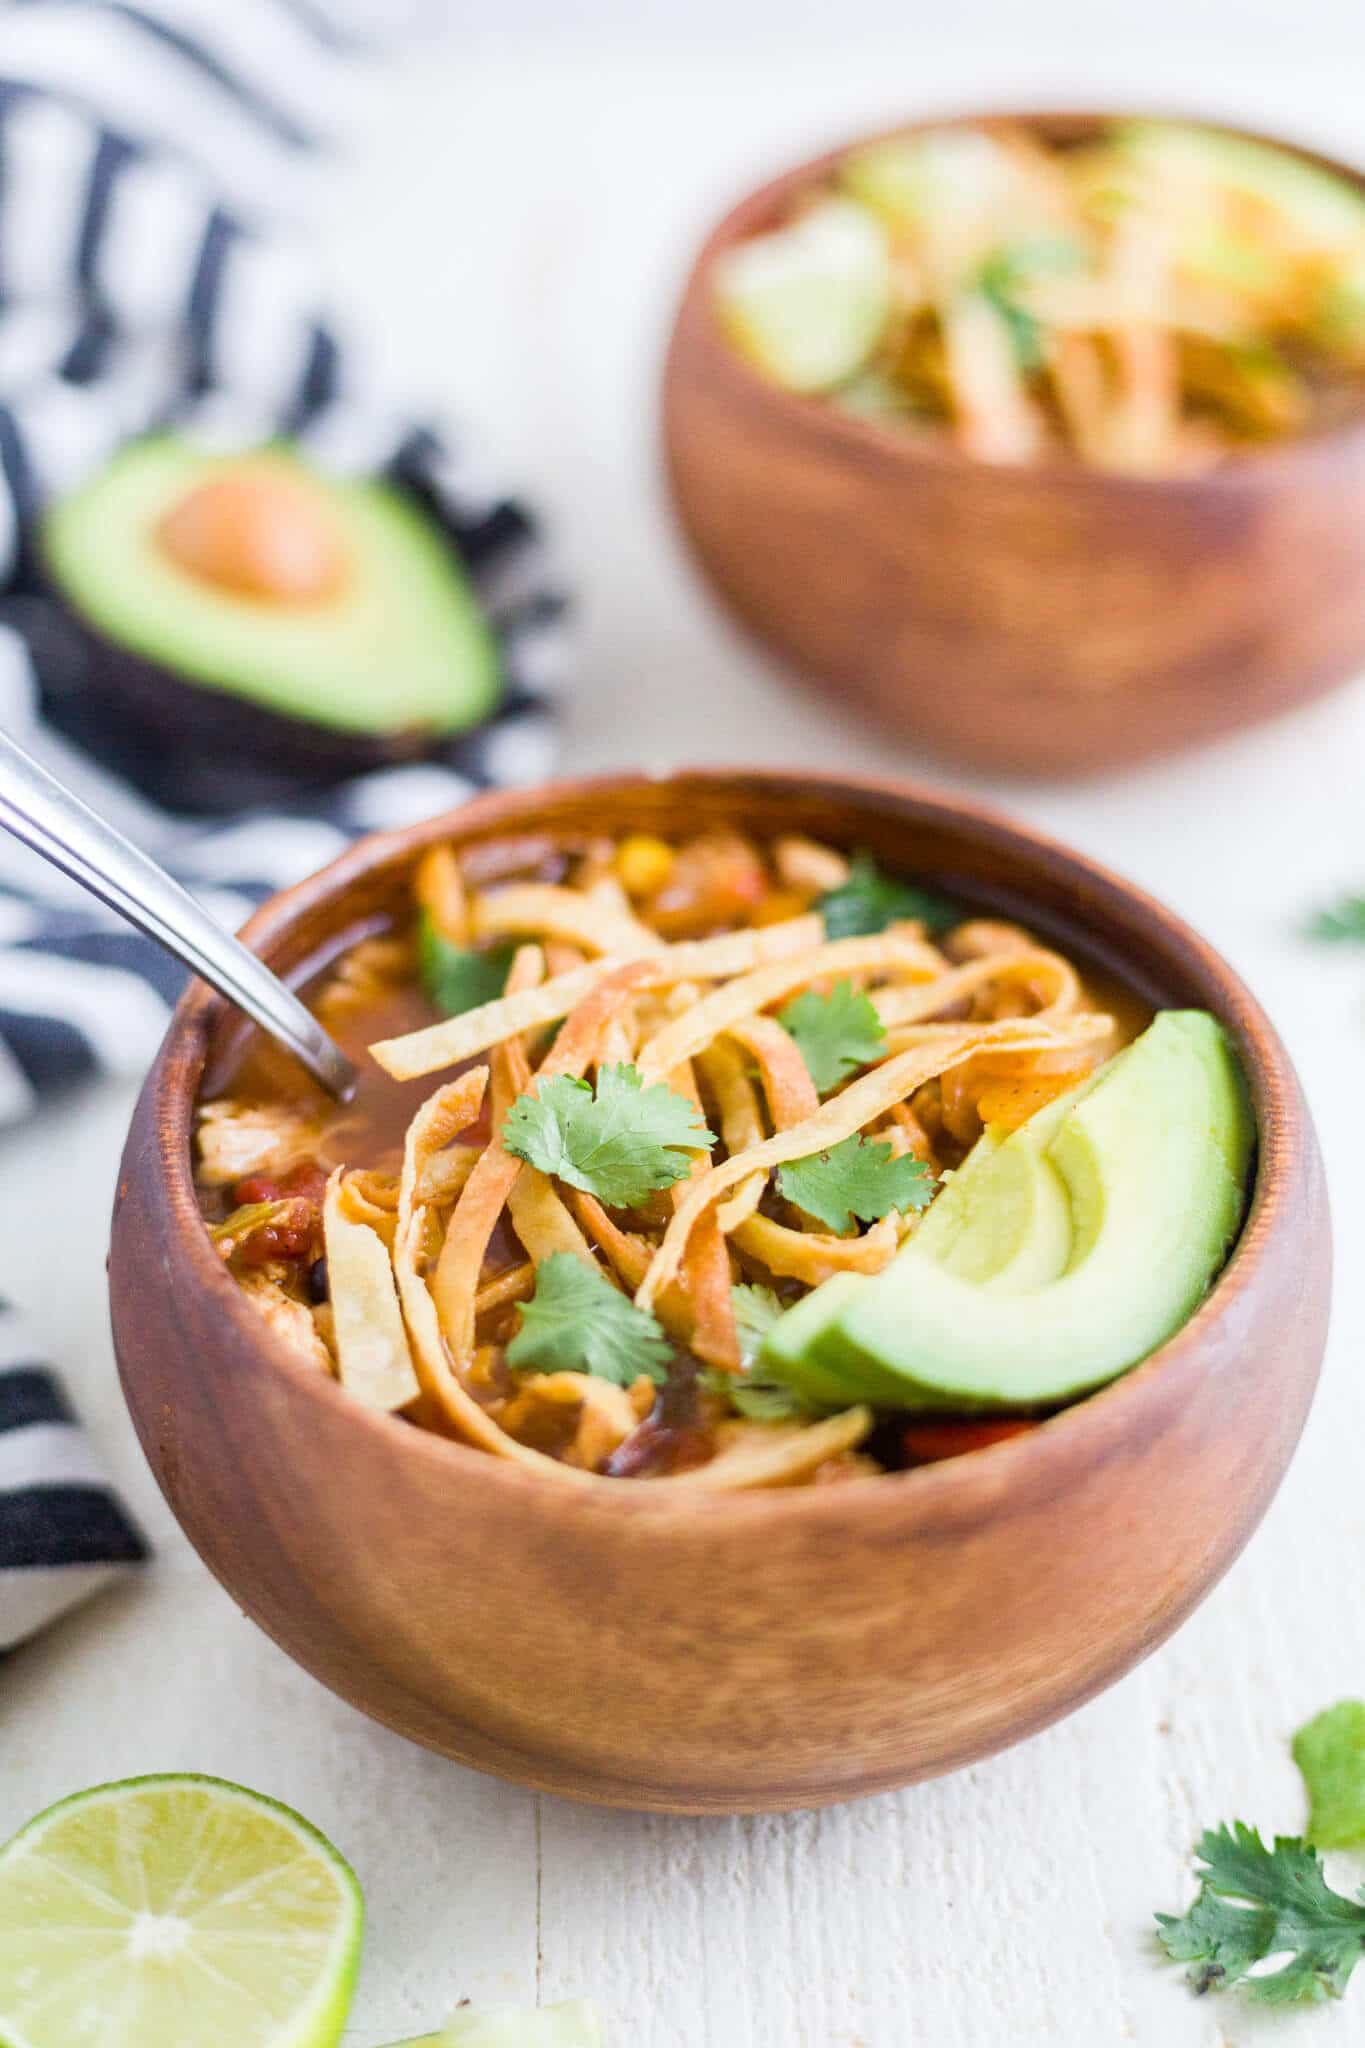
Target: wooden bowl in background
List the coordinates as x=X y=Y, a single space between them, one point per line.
x=1035 y=619
x=734 y=1652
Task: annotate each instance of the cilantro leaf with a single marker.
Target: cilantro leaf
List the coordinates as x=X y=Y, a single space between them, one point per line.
x=577 y=1322
x=1256 y=1903
x=1017 y=264
x=457 y=978
x=752 y=1394
x=1330 y=1751
x=869 y=901
x=857 y=1178
x=619 y=1142
x=836 y=1034
x=1342 y=920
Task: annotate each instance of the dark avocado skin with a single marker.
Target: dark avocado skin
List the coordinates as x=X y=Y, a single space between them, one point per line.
x=189 y=748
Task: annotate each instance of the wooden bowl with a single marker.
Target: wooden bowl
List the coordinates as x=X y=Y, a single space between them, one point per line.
x=1039 y=619
x=749 y=1651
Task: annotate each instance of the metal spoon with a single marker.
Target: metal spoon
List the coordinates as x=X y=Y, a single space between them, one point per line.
x=45 y=815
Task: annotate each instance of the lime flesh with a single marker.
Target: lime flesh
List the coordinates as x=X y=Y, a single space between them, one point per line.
x=175 y=1912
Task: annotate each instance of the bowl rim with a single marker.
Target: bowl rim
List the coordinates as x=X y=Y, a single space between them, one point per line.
x=821 y=423
x=954 y=1490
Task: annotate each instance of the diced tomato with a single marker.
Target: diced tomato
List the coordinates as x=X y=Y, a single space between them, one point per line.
x=927 y=1442
x=308 y=1180
x=296 y=1235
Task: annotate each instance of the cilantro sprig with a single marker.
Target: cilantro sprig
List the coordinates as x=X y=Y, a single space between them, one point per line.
x=869 y=901
x=836 y=1033
x=577 y=1322
x=618 y=1141
x=1339 y=922
x=1256 y=1903
x=457 y=978
x=857 y=1180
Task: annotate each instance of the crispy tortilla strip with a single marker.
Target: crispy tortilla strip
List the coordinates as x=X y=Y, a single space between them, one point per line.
x=792 y=1095
x=630 y=1255
x=440 y=1382
x=456 y=1279
x=740 y=1115
x=446 y=1172
x=539 y=1216
x=459 y=1038
x=753 y=1454
x=914 y=1004
x=600 y=1415
x=445 y=1394
x=858 y=1104
x=439 y=888
x=814 y=1256
x=373 y=1360
x=291 y=1320
x=371 y=1199
x=542 y=1223
x=996 y=419
x=518 y=1283
x=705 y=1273
x=745 y=997
x=543 y=908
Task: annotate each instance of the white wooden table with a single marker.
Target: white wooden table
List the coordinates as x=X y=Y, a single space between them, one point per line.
x=521 y=219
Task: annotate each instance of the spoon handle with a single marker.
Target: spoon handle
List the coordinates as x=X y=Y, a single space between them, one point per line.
x=37 y=809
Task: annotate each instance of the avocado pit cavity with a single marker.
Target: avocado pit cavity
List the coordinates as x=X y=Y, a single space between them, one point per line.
x=256 y=534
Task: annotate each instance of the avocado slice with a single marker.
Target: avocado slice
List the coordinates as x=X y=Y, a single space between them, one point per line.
x=1323 y=209
x=1004 y=1219
x=334 y=605
x=807 y=303
x=944 y=171
x=1152 y=1153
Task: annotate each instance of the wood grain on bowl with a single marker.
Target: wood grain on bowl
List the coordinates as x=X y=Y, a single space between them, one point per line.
x=1032 y=619
x=749 y=1651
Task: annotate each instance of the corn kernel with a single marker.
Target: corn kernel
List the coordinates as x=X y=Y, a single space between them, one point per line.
x=643 y=864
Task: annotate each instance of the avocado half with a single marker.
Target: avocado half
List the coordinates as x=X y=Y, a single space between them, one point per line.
x=240 y=626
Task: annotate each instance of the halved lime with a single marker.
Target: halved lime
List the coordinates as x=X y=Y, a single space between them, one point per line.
x=175 y=1912
x=807 y=304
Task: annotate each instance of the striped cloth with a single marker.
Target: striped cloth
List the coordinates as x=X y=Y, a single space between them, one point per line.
x=159 y=165
x=63 y=1531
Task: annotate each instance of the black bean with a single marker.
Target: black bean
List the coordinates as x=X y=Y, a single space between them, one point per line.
x=317 y=1280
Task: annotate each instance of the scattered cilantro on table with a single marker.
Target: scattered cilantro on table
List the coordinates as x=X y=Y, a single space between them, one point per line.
x=458 y=978
x=619 y=1141
x=855 y=1179
x=1342 y=920
x=1330 y=1752
x=577 y=1322
x=1256 y=1903
x=869 y=901
x=835 y=1033
x=749 y=1392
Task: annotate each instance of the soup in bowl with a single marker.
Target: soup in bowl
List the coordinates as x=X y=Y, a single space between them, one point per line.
x=774 y=1213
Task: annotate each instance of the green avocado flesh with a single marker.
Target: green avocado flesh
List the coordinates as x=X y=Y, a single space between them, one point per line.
x=807 y=304
x=1058 y=1256
x=401 y=645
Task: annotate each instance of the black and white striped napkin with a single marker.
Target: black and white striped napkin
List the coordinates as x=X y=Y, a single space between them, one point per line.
x=63 y=1531
x=158 y=168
